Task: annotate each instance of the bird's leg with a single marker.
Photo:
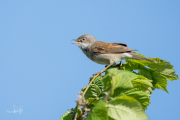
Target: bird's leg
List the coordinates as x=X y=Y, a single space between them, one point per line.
x=119 y=65
x=100 y=73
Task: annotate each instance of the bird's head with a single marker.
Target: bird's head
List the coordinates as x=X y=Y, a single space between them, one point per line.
x=85 y=41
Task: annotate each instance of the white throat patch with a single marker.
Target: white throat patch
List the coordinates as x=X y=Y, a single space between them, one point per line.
x=83 y=46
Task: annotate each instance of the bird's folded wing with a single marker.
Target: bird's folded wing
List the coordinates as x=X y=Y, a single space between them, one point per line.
x=103 y=47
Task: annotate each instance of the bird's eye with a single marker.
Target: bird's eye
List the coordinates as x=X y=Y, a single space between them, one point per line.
x=81 y=40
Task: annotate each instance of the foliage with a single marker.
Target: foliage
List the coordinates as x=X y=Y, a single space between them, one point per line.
x=122 y=94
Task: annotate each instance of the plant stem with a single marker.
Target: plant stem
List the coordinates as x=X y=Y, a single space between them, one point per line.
x=75 y=117
x=96 y=97
x=105 y=99
x=89 y=84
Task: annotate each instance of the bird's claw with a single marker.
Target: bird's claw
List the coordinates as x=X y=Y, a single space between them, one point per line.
x=119 y=65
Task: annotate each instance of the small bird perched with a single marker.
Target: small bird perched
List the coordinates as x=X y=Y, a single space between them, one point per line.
x=105 y=53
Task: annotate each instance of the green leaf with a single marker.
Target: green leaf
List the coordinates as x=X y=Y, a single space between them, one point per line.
x=145 y=72
x=159 y=73
x=125 y=108
x=92 y=91
x=119 y=81
x=107 y=82
x=66 y=116
x=142 y=80
x=99 y=112
x=123 y=79
x=111 y=118
x=127 y=68
x=98 y=82
x=164 y=68
x=94 y=102
x=143 y=85
x=159 y=81
x=111 y=71
x=140 y=96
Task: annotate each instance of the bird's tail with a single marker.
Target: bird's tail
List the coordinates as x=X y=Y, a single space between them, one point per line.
x=140 y=57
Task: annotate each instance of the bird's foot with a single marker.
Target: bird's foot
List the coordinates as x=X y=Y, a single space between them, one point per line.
x=119 y=65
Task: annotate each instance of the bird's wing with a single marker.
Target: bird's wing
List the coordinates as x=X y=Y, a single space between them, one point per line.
x=125 y=45
x=103 y=47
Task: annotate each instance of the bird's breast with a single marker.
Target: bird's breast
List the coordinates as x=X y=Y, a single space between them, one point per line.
x=107 y=58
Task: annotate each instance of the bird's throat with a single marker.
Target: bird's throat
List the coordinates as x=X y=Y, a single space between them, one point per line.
x=83 y=46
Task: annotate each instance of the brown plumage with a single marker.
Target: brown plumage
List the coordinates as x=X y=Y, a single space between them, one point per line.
x=106 y=53
x=104 y=47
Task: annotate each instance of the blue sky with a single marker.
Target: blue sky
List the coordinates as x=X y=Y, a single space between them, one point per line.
x=43 y=72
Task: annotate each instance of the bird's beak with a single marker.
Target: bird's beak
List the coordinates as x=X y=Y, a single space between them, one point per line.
x=77 y=42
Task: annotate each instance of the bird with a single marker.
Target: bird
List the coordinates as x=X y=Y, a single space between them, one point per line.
x=104 y=52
